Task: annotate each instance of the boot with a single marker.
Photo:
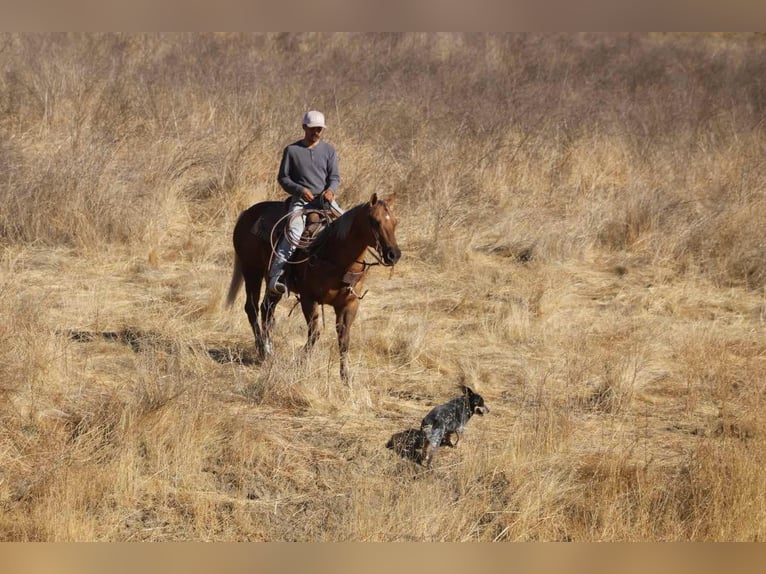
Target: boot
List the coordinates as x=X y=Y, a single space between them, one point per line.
x=276 y=275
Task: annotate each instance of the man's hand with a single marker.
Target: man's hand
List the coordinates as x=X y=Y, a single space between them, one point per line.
x=329 y=195
x=307 y=195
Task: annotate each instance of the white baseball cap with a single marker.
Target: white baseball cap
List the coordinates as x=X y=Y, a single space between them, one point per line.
x=314 y=119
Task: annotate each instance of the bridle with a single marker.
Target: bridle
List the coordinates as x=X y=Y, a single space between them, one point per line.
x=377 y=254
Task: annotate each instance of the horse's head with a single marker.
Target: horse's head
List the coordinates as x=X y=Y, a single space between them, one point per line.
x=383 y=227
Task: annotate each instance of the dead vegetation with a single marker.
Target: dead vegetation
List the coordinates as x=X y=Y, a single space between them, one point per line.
x=581 y=220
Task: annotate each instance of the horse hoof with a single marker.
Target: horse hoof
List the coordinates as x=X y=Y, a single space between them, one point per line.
x=265 y=350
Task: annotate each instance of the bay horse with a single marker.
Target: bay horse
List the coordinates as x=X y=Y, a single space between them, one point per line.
x=331 y=272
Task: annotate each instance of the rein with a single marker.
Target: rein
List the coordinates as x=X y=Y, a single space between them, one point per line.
x=365 y=264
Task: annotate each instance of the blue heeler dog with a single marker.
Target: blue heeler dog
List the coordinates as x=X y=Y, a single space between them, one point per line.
x=448 y=419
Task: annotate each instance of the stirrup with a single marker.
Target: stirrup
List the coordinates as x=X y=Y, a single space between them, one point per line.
x=277 y=286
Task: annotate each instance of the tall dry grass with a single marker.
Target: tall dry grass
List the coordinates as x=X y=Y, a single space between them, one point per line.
x=581 y=219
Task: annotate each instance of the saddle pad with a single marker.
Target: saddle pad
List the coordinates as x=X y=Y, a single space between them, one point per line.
x=260 y=230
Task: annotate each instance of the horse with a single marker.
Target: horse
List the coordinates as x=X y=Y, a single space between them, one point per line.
x=330 y=272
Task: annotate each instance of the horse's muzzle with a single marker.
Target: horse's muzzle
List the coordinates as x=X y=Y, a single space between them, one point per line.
x=392 y=255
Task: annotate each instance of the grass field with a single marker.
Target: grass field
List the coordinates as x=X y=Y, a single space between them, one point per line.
x=582 y=224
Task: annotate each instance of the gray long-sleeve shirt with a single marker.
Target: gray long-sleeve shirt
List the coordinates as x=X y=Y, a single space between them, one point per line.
x=314 y=168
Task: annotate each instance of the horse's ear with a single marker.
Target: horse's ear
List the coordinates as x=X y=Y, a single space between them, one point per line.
x=391 y=199
x=374 y=199
x=466 y=390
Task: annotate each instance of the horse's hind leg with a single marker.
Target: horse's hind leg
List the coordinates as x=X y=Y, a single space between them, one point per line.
x=268 y=306
x=253 y=291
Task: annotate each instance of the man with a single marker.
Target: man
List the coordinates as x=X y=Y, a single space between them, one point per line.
x=309 y=169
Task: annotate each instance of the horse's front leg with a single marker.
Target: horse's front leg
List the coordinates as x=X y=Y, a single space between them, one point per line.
x=344 y=317
x=310 y=310
x=268 y=306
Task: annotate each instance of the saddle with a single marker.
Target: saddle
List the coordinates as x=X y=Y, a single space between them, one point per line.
x=316 y=222
x=319 y=214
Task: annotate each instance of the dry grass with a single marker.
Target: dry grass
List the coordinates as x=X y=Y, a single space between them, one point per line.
x=581 y=219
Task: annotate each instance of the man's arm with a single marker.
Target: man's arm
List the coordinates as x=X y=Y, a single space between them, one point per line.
x=333 y=173
x=283 y=177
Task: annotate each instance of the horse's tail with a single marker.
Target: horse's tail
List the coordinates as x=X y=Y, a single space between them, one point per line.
x=236 y=281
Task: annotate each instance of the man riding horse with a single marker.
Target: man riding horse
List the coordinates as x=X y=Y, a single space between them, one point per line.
x=309 y=170
x=334 y=270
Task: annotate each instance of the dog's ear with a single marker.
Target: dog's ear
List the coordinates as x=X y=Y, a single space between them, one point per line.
x=466 y=390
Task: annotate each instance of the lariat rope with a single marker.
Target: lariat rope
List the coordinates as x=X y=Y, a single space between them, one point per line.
x=298 y=243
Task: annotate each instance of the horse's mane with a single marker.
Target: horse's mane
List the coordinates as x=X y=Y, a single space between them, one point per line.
x=338 y=229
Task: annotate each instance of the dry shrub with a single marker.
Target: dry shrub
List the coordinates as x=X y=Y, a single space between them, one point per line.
x=613 y=499
x=279 y=385
x=580 y=220
x=616 y=387
x=716 y=493
x=25 y=355
x=399 y=345
x=727 y=248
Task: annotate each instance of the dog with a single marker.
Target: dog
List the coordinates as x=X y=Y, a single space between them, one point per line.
x=448 y=419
